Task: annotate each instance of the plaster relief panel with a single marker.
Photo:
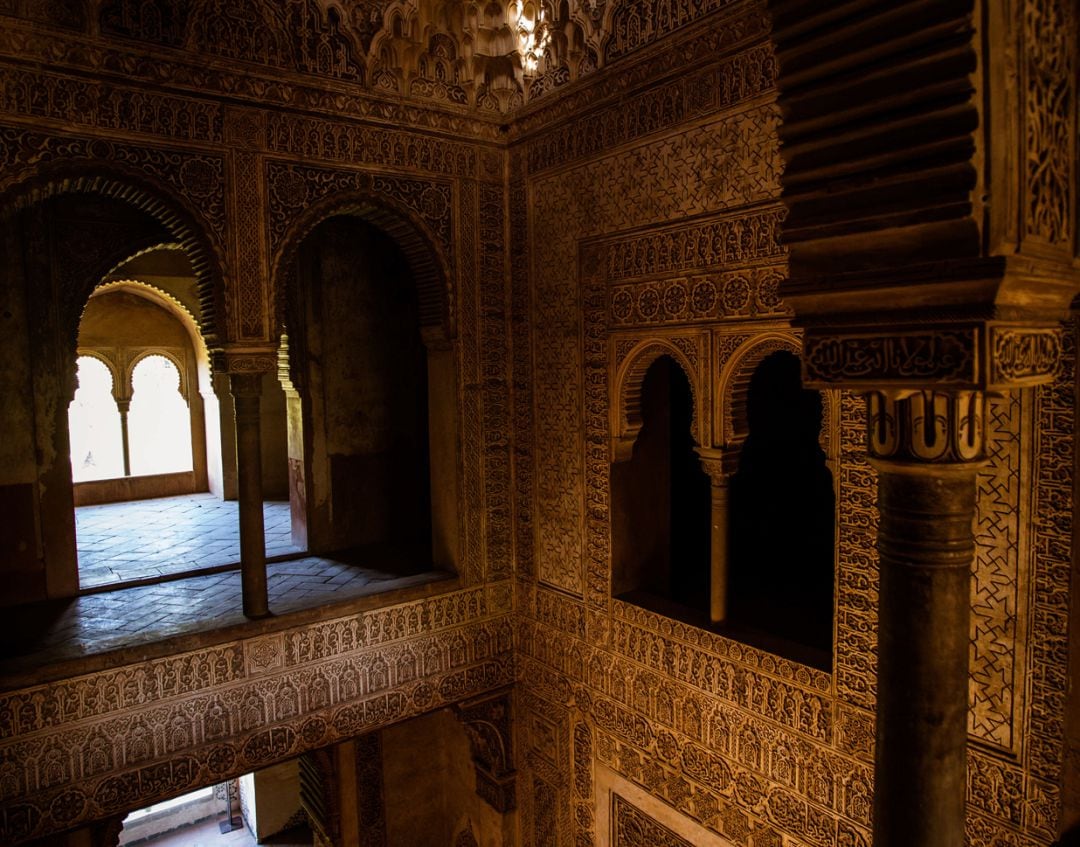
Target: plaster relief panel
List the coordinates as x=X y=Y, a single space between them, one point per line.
x=630 y=817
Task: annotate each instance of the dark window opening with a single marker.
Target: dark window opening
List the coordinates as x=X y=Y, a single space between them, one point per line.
x=661 y=501
x=781 y=512
x=367 y=375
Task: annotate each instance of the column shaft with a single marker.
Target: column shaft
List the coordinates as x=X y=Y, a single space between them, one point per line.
x=245 y=390
x=718 y=579
x=125 y=444
x=927 y=450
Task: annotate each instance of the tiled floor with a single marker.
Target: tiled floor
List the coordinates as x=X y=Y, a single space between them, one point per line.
x=145 y=539
x=60 y=630
x=205 y=834
x=208 y=834
x=140 y=563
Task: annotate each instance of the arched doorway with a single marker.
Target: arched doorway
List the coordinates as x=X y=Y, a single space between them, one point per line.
x=174 y=497
x=367 y=376
x=160 y=390
x=372 y=387
x=59 y=241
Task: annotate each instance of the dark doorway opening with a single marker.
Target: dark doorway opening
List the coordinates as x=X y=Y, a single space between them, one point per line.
x=363 y=368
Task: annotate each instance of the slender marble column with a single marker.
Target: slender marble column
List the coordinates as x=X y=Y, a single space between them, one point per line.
x=927 y=448
x=246 y=389
x=714 y=464
x=123 y=406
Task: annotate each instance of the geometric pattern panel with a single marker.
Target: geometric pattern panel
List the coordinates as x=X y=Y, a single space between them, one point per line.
x=998 y=614
x=631 y=827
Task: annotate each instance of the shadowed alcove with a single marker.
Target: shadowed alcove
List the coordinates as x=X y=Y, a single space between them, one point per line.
x=660 y=501
x=781 y=512
x=362 y=371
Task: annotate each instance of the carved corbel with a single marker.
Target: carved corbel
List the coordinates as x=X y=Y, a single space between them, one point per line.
x=488 y=723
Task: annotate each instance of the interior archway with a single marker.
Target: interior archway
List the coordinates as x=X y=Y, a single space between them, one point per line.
x=378 y=471
x=75 y=239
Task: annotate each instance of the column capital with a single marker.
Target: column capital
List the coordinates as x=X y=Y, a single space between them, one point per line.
x=246 y=359
x=926 y=428
x=718 y=463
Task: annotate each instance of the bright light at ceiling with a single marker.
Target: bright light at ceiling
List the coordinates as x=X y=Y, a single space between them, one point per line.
x=533 y=33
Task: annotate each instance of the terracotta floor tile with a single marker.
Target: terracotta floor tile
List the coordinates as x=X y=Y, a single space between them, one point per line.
x=120 y=542
x=116 y=615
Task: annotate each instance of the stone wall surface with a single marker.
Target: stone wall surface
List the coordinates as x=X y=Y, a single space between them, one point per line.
x=620 y=201
x=669 y=237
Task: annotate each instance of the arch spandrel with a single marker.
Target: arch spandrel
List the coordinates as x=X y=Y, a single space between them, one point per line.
x=177 y=213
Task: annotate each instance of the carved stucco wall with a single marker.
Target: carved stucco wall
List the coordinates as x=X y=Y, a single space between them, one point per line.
x=104 y=743
x=101 y=743
x=617 y=217
x=244 y=177
x=632 y=207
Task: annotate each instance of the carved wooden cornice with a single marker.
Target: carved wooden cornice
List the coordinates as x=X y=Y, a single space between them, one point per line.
x=167 y=70
x=911 y=203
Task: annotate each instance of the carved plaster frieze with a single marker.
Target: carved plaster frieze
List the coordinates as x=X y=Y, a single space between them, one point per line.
x=87 y=747
x=995 y=356
x=113 y=61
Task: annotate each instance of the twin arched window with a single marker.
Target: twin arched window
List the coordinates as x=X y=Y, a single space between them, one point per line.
x=148 y=434
x=764 y=528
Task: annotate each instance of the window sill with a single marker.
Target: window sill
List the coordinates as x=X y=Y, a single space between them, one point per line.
x=803 y=654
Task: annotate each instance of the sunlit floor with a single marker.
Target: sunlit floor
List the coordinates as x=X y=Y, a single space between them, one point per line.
x=148 y=539
x=208 y=834
x=170 y=567
x=205 y=834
